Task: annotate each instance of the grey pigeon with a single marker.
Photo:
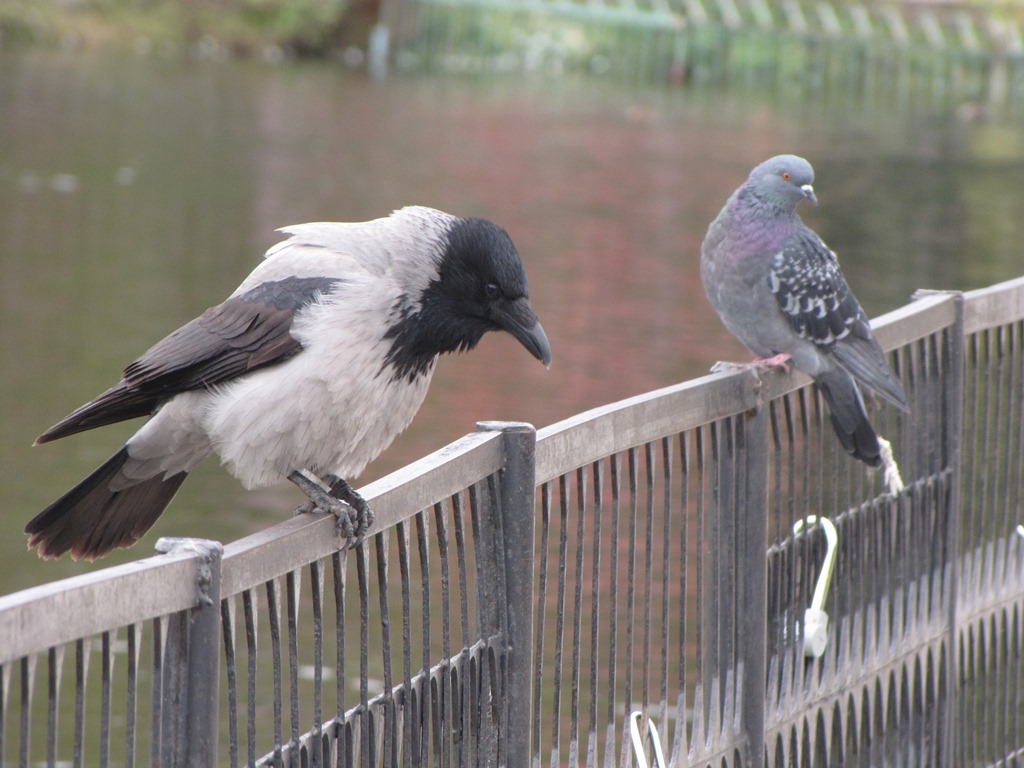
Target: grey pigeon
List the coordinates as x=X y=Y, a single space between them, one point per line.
x=306 y=372
x=778 y=289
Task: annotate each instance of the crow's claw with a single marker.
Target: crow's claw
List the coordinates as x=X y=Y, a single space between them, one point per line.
x=353 y=515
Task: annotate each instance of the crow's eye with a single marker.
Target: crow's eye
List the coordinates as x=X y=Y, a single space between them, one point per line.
x=492 y=291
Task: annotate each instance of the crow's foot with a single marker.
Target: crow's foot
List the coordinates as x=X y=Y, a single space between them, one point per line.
x=351 y=511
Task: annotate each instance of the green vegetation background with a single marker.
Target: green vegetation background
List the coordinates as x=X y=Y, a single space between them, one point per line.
x=240 y=27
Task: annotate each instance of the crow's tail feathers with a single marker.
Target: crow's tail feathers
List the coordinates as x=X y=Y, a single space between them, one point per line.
x=90 y=520
x=849 y=417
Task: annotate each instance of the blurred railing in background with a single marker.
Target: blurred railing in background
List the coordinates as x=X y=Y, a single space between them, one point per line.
x=909 y=52
x=630 y=583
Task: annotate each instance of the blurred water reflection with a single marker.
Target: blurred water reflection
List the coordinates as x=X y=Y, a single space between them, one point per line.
x=136 y=192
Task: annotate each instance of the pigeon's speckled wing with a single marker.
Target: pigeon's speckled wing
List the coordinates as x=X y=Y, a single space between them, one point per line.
x=814 y=296
x=812 y=293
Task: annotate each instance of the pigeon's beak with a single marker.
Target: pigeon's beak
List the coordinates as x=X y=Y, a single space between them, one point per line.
x=808 y=191
x=519 y=319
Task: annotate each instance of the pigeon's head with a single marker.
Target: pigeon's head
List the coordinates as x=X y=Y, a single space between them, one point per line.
x=783 y=181
x=480 y=286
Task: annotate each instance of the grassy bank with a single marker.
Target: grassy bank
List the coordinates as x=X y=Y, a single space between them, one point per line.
x=216 y=27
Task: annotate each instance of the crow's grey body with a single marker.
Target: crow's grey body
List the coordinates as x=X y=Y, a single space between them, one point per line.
x=778 y=288
x=315 y=363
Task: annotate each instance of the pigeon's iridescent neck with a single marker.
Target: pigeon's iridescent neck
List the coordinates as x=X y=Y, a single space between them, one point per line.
x=757 y=226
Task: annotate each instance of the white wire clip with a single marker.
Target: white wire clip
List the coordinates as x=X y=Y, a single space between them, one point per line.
x=638 y=741
x=815 y=619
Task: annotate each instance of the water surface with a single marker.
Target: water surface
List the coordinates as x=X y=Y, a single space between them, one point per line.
x=135 y=192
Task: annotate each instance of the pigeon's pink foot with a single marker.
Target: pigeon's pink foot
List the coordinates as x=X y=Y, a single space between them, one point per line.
x=778 y=361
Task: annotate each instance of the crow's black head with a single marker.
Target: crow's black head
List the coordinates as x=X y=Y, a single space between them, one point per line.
x=480 y=287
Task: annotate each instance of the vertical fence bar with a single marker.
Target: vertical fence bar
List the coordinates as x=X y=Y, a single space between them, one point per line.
x=516 y=507
x=954 y=436
x=194 y=646
x=754 y=436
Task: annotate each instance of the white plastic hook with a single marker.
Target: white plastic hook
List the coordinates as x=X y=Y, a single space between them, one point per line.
x=638 y=741
x=815 y=619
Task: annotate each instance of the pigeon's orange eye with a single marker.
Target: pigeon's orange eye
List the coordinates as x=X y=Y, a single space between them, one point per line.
x=785 y=175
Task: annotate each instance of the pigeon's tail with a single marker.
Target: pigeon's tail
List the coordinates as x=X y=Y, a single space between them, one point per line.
x=849 y=417
x=90 y=520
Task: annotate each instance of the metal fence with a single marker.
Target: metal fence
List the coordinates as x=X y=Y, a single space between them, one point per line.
x=914 y=52
x=630 y=585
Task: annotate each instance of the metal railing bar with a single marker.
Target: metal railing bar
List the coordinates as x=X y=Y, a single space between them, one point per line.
x=469 y=708
x=106 y=682
x=316 y=588
x=227 y=624
x=718 y=480
x=35 y=619
x=993 y=306
x=476 y=696
x=402 y=534
x=539 y=624
x=559 y=639
x=632 y=474
x=666 y=568
x=465 y=744
x=249 y=612
x=27 y=665
x=973 y=459
x=444 y=704
x=338 y=563
x=595 y=605
x=599 y=432
x=613 y=610
x=273 y=595
x=81 y=673
x=53 y=692
x=435 y=477
x=700 y=515
x=923 y=316
x=680 y=740
x=577 y=623
x=296 y=542
x=381 y=552
x=365 y=716
x=422 y=526
x=441 y=526
x=159 y=629
x=1012 y=396
x=134 y=635
x=993 y=516
x=291 y=606
x=1016 y=420
x=648 y=580
x=460 y=677
x=5 y=685
x=458 y=519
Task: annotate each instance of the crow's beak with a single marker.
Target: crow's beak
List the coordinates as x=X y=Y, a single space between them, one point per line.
x=519 y=319
x=808 y=191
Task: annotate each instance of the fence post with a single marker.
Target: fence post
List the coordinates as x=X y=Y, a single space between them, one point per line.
x=516 y=507
x=752 y=579
x=191 y=664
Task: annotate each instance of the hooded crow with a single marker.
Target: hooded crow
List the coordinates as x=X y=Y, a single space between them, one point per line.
x=307 y=371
